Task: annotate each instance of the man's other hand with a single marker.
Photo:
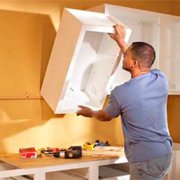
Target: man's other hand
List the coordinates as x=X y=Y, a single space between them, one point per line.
x=84 y=111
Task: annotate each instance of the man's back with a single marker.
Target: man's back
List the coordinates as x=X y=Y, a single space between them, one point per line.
x=142 y=104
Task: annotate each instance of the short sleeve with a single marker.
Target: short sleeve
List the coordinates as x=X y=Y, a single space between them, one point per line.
x=158 y=72
x=113 y=108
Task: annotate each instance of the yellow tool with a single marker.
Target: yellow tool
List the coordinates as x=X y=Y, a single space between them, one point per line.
x=88 y=146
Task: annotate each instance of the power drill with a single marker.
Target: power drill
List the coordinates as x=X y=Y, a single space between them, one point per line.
x=72 y=152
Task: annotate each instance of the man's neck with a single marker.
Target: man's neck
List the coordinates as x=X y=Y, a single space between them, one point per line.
x=139 y=72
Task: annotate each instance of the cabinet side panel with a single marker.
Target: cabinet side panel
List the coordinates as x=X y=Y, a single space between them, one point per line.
x=60 y=58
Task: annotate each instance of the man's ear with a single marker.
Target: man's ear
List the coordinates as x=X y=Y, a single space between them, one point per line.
x=136 y=63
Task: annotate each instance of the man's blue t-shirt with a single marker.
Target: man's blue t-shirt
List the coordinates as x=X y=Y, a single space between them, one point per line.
x=142 y=103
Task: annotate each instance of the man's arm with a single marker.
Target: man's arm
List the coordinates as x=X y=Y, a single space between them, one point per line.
x=101 y=115
x=118 y=36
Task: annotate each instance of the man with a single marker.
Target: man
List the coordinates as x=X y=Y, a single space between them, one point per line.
x=141 y=102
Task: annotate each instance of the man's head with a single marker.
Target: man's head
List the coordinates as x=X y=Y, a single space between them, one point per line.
x=139 y=55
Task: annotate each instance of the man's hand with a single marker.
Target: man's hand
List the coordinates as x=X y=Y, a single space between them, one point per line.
x=85 y=111
x=119 y=35
x=88 y=112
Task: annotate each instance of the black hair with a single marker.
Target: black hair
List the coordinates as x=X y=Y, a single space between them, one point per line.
x=144 y=53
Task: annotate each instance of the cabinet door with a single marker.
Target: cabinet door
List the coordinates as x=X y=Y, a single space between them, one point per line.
x=169 y=50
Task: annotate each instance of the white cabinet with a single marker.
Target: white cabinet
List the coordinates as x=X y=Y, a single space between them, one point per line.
x=169 y=53
x=81 y=62
x=162 y=31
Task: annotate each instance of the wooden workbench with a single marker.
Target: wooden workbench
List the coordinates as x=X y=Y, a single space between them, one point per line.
x=40 y=166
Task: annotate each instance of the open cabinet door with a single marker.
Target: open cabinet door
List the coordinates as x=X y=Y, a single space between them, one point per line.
x=81 y=62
